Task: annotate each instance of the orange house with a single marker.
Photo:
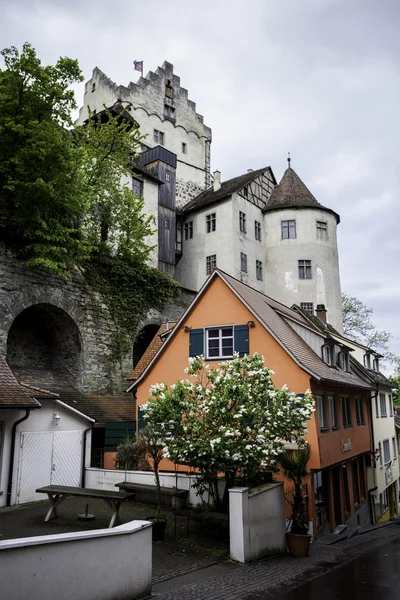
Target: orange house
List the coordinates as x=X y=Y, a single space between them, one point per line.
x=228 y=316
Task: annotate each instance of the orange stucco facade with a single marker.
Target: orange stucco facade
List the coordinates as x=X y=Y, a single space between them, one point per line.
x=219 y=306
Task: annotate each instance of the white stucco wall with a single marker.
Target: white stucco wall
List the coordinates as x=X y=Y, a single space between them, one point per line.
x=282 y=280
x=384 y=429
x=68 y=565
x=191 y=269
x=257 y=522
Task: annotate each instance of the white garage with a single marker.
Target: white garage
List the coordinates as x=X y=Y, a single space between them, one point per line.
x=51 y=448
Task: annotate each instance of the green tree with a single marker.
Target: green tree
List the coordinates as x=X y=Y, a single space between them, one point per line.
x=65 y=196
x=228 y=421
x=358 y=325
x=395 y=380
x=40 y=197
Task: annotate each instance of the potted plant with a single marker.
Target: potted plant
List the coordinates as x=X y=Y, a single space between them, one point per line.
x=151 y=438
x=294 y=464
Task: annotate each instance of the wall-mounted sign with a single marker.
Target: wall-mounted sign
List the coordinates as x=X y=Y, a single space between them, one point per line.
x=346 y=445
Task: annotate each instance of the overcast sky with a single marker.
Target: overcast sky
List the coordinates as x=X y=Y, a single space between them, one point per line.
x=318 y=78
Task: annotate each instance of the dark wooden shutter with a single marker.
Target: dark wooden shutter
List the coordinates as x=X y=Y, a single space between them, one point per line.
x=241 y=339
x=196 y=342
x=141 y=419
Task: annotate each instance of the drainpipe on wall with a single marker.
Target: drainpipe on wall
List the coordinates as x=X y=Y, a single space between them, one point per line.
x=12 y=455
x=84 y=454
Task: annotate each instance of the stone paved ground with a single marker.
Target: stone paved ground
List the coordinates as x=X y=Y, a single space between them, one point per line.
x=278 y=574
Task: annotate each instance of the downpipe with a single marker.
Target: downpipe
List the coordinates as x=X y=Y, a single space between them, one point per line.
x=12 y=455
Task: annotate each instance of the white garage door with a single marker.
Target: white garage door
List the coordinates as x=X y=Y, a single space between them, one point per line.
x=48 y=458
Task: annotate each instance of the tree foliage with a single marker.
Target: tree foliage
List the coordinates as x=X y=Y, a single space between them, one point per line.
x=65 y=194
x=358 y=325
x=229 y=420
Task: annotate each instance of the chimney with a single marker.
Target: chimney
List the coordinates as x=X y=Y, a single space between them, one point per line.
x=217 y=180
x=321 y=312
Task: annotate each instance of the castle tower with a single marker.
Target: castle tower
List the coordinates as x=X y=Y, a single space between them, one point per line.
x=166 y=116
x=302 y=264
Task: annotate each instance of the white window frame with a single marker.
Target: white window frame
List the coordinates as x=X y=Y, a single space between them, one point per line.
x=211 y=222
x=259 y=270
x=394 y=448
x=243 y=262
x=220 y=338
x=345 y=402
x=380 y=455
x=159 y=137
x=257 y=230
x=288 y=227
x=211 y=263
x=242 y=222
x=327 y=354
x=167 y=176
x=188 y=230
x=383 y=405
x=333 y=412
x=343 y=360
x=386 y=455
x=305 y=268
x=322 y=230
x=390 y=405
x=322 y=412
x=360 y=416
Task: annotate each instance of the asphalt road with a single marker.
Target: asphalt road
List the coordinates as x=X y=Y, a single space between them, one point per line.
x=374 y=576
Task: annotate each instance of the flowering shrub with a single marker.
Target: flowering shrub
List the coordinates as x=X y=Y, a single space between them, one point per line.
x=229 y=421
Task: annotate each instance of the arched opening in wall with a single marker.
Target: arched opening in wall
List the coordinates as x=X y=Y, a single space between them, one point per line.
x=142 y=342
x=45 y=337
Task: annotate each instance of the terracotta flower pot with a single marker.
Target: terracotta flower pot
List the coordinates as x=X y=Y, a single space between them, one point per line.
x=298 y=544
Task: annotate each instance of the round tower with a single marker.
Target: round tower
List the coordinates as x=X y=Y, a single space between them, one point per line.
x=302 y=263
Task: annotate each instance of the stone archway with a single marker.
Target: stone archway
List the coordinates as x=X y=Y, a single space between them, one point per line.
x=44 y=336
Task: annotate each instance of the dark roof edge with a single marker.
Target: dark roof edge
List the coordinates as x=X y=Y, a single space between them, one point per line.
x=291 y=207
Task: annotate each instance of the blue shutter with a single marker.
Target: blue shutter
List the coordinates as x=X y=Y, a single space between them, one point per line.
x=241 y=339
x=141 y=419
x=196 y=342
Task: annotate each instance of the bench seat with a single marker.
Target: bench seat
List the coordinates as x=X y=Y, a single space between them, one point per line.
x=176 y=498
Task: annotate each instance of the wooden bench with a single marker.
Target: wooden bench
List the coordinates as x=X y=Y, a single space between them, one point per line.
x=58 y=493
x=170 y=496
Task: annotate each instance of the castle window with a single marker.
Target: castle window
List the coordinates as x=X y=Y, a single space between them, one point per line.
x=159 y=137
x=137 y=187
x=93 y=87
x=305 y=269
x=307 y=307
x=189 y=230
x=168 y=176
x=243 y=262
x=184 y=148
x=259 y=273
x=288 y=229
x=245 y=191
x=242 y=222
x=169 y=90
x=211 y=222
x=211 y=263
x=257 y=230
x=166 y=223
x=169 y=111
x=322 y=230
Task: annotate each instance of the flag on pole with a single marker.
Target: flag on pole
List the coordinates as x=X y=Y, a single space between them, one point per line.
x=138 y=65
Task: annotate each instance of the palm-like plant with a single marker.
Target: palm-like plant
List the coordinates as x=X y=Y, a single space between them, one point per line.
x=294 y=464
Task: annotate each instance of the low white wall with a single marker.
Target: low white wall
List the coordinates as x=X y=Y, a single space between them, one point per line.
x=257 y=522
x=106 y=479
x=103 y=564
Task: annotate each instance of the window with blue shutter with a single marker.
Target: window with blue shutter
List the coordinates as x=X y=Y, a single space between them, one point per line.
x=241 y=337
x=141 y=419
x=196 y=342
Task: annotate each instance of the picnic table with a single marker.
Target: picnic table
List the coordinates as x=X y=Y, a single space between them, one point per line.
x=58 y=493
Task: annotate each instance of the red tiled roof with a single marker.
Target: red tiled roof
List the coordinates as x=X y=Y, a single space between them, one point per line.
x=13 y=395
x=152 y=349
